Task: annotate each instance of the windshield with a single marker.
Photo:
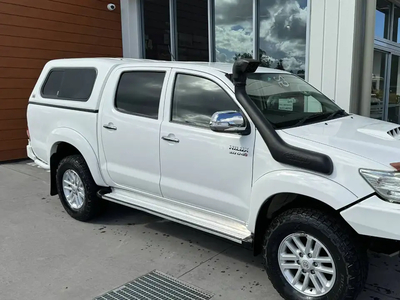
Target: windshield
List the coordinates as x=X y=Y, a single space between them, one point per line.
x=286 y=100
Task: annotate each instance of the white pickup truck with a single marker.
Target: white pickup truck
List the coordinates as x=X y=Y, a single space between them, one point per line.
x=254 y=155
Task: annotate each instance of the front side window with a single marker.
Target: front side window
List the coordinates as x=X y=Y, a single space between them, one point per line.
x=69 y=84
x=196 y=99
x=286 y=100
x=139 y=93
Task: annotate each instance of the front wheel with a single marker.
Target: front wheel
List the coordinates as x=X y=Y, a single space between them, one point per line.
x=311 y=255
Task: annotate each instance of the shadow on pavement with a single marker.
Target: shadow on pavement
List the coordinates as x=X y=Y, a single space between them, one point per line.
x=117 y=214
x=120 y=215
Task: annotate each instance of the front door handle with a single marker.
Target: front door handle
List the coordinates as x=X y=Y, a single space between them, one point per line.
x=110 y=126
x=170 y=138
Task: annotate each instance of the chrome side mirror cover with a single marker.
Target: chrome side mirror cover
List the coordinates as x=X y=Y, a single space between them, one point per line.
x=228 y=121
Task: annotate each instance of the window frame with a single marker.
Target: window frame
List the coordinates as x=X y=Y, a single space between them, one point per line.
x=66 y=98
x=388 y=42
x=199 y=75
x=161 y=93
x=212 y=57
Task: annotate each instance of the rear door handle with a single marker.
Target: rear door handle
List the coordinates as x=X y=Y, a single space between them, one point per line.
x=170 y=138
x=110 y=126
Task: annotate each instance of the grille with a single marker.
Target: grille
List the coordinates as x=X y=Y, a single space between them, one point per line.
x=156 y=286
x=394 y=133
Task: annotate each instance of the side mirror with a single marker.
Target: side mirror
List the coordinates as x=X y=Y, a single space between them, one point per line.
x=228 y=121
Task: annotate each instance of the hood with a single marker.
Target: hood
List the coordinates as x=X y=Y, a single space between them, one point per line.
x=372 y=139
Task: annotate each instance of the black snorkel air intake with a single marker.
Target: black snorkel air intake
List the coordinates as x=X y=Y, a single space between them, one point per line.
x=280 y=150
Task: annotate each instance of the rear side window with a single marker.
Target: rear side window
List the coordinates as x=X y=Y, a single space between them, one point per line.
x=139 y=93
x=69 y=84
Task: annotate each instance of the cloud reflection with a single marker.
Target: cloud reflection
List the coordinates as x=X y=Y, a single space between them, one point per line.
x=283 y=27
x=196 y=99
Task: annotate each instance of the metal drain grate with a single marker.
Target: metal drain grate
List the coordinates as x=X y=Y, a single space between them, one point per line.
x=156 y=286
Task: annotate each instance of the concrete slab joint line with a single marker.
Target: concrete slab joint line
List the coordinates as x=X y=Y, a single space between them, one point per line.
x=158 y=286
x=195 y=267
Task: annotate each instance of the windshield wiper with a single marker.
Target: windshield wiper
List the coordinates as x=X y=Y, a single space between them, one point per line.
x=328 y=116
x=311 y=117
x=337 y=113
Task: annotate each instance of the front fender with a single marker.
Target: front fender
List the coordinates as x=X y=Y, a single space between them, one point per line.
x=72 y=137
x=297 y=182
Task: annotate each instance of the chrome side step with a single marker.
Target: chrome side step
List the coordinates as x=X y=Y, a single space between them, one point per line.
x=186 y=215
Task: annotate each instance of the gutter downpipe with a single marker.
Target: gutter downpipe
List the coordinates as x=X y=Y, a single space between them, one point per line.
x=368 y=58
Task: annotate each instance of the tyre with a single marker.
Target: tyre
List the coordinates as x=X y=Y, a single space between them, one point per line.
x=311 y=255
x=77 y=189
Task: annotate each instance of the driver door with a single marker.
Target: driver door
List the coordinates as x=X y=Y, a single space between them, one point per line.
x=199 y=167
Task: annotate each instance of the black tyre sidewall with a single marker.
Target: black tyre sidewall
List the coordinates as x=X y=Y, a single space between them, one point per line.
x=77 y=164
x=324 y=235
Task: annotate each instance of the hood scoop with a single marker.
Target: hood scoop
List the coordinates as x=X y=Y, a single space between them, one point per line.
x=394 y=133
x=382 y=132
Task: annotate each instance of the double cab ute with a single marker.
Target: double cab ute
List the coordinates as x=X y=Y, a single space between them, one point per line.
x=253 y=155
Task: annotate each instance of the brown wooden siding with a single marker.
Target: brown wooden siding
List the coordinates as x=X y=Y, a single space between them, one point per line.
x=34 y=32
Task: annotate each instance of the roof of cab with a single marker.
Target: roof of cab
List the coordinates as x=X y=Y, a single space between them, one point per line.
x=110 y=62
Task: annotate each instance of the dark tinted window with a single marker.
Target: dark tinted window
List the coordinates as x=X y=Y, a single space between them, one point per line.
x=69 y=84
x=196 y=99
x=156 y=29
x=53 y=84
x=139 y=93
x=192 y=27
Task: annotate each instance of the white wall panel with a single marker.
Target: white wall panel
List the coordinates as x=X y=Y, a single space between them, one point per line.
x=331 y=48
x=131 y=28
x=345 y=53
x=316 y=46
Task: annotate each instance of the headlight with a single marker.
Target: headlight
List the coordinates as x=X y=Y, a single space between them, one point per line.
x=386 y=184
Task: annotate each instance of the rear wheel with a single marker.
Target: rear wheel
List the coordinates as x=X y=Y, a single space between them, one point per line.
x=77 y=189
x=311 y=255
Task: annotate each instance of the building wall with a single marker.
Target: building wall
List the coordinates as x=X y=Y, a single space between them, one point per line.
x=34 y=32
x=131 y=28
x=331 y=49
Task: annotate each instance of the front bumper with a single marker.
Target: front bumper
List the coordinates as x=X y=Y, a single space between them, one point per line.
x=375 y=217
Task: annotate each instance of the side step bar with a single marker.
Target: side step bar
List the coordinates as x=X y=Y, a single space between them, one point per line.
x=240 y=237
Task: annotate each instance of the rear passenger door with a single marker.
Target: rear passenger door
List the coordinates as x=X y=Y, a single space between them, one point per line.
x=130 y=120
x=200 y=167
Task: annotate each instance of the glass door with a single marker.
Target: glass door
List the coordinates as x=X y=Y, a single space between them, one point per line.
x=378 y=88
x=393 y=114
x=385 y=89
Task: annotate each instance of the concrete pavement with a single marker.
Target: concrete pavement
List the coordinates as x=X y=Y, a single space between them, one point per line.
x=45 y=254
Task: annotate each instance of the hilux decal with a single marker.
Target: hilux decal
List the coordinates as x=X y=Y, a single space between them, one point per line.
x=236 y=150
